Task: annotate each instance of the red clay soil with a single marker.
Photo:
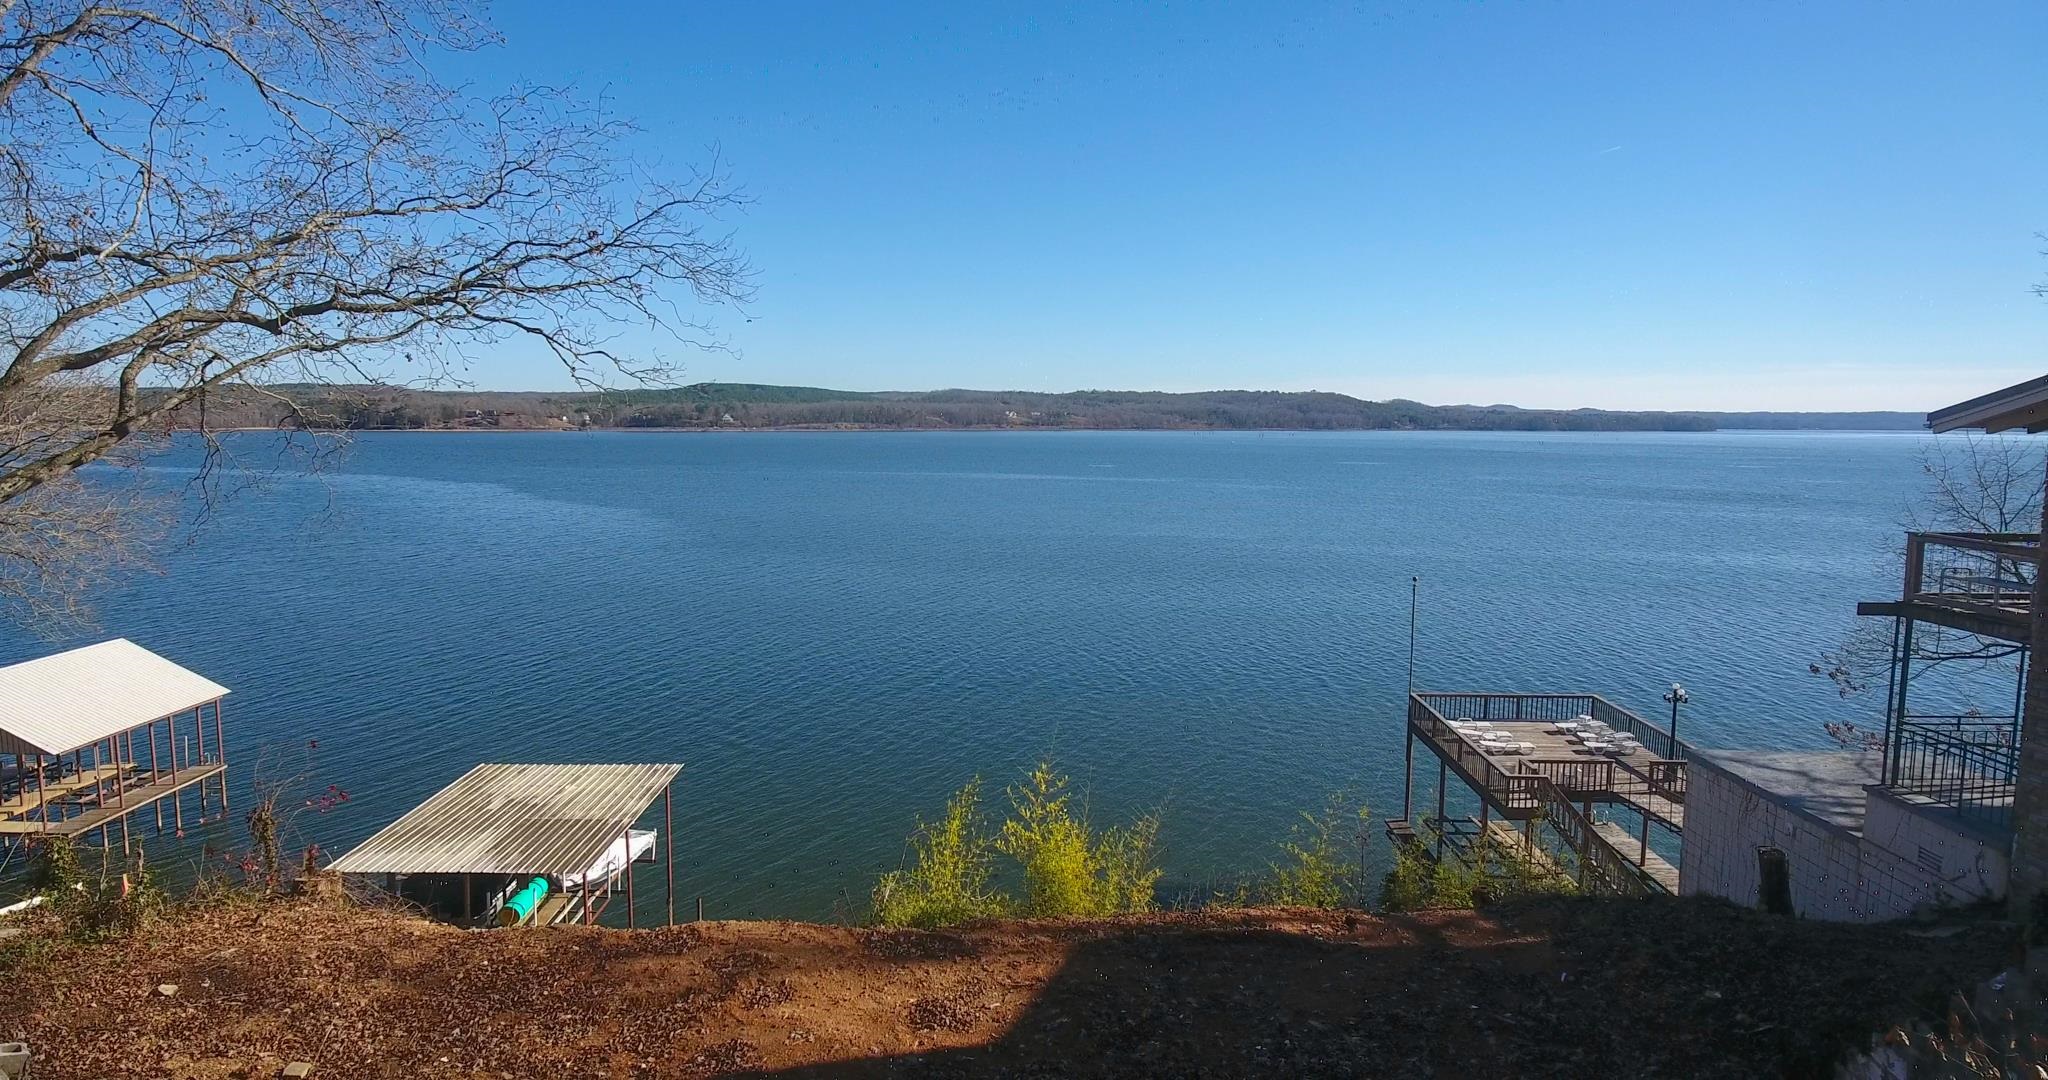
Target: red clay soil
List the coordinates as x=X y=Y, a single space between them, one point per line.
x=1565 y=989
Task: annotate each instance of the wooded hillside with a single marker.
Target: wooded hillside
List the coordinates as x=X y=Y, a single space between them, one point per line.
x=748 y=405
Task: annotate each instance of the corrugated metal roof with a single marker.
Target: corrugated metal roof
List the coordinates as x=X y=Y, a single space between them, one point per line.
x=59 y=703
x=2023 y=405
x=514 y=819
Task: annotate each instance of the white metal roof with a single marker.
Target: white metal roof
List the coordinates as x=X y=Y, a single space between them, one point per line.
x=514 y=819
x=59 y=703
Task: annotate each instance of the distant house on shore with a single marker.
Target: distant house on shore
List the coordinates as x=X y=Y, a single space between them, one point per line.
x=1948 y=803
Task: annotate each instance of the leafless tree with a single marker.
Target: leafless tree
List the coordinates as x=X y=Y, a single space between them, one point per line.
x=1973 y=484
x=62 y=539
x=257 y=196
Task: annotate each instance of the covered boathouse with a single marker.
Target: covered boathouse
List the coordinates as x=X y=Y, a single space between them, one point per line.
x=95 y=735
x=533 y=845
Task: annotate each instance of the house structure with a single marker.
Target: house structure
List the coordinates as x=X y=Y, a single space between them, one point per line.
x=1946 y=803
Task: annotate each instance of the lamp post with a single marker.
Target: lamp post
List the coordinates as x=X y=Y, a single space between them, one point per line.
x=1676 y=696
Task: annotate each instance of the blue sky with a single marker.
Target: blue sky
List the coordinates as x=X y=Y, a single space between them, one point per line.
x=1822 y=205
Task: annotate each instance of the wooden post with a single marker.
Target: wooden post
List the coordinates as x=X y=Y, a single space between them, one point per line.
x=155 y=777
x=668 y=836
x=199 y=745
x=43 y=794
x=220 y=747
x=1442 y=778
x=120 y=772
x=627 y=836
x=1407 y=773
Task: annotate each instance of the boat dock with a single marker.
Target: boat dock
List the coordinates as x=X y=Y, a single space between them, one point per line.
x=535 y=845
x=93 y=736
x=1548 y=760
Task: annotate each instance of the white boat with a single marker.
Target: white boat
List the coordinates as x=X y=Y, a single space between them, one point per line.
x=635 y=845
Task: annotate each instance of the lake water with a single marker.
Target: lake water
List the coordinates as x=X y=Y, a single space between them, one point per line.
x=835 y=630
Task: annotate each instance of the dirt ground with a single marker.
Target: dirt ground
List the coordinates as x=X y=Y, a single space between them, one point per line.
x=1565 y=989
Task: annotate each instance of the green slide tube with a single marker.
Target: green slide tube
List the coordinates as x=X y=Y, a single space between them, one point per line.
x=520 y=907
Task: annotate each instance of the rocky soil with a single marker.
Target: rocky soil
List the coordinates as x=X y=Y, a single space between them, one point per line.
x=1563 y=989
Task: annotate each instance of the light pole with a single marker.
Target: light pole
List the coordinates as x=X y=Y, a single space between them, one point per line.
x=1676 y=696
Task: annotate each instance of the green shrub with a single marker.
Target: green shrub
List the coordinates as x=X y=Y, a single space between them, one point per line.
x=1050 y=846
x=1068 y=869
x=1317 y=871
x=1407 y=886
x=1064 y=865
x=1127 y=862
x=1454 y=885
x=119 y=902
x=1418 y=883
x=948 y=879
x=55 y=868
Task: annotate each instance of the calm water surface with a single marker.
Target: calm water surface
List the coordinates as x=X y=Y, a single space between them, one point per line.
x=835 y=630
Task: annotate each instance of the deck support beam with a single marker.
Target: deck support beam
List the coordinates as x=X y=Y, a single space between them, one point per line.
x=1407 y=773
x=1442 y=781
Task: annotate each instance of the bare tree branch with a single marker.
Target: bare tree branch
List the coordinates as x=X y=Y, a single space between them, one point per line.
x=1973 y=484
x=257 y=195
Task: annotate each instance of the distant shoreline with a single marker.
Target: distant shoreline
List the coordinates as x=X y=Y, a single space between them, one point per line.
x=841 y=430
x=760 y=407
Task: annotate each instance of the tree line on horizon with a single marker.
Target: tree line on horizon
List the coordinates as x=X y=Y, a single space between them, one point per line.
x=743 y=405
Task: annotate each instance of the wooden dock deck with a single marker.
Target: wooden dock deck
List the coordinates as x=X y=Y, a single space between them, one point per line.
x=1520 y=755
x=55 y=789
x=1667 y=811
x=132 y=798
x=1466 y=837
x=1647 y=780
x=1631 y=848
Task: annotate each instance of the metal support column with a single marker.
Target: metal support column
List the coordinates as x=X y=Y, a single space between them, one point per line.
x=627 y=837
x=668 y=837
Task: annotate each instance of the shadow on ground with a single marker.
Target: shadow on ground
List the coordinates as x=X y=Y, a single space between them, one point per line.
x=1575 y=989
x=1234 y=1002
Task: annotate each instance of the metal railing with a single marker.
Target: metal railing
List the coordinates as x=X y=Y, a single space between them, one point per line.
x=1563 y=707
x=1986 y=568
x=1666 y=778
x=1575 y=774
x=1602 y=868
x=1510 y=706
x=1547 y=786
x=1655 y=739
x=1967 y=763
x=1514 y=791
